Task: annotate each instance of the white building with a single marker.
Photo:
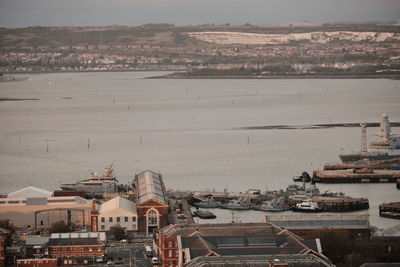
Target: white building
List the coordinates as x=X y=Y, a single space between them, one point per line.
x=118 y=211
x=29 y=192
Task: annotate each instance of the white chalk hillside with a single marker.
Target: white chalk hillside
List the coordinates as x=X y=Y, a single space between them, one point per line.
x=314 y=37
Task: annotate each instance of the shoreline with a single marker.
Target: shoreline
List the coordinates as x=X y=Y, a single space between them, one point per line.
x=177 y=76
x=283 y=77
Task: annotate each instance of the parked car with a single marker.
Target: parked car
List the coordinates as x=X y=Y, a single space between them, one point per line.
x=149 y=251
x=154 y=261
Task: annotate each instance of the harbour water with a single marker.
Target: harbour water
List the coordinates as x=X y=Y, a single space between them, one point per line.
x=189 y=130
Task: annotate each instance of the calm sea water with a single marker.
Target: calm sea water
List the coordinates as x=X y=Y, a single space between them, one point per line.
x=188 y=131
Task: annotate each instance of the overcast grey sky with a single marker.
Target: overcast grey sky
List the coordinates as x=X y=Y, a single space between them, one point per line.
x=21 y=13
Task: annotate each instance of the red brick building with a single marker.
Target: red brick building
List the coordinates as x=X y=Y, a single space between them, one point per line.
x=181 y=244
x=37 y=263
x=77 y=248
x=151 y=202
x=4 y=240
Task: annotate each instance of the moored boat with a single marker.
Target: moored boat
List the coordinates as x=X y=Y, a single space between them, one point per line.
x=307 y=206
x=204 y=214
x=95 y=185
x=241 y=203
x=207 y=203
x=275 y=204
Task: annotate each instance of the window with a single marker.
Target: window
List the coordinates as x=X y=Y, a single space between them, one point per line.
x=81 y=248
x=118 y=219
x=73 y=249
x=64 y=249
x=126 y=219
x=133 y=219
x=169 y=244
x=110 y=219
x=152 y=218
x=103 y=227
x=54 y=249
x=170 y=253
x=98 y=248
x=90 y=248
x=103 y=219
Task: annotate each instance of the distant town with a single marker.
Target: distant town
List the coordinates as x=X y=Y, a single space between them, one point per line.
x=370 y=50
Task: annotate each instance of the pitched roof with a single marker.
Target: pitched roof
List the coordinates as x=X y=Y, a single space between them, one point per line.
x=30 y=191
x=259 y=260
x=150 y=186
x=238 y=239
x=118 y=202
x=36 y=240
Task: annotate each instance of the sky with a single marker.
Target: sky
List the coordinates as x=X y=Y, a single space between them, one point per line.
x=22 y=13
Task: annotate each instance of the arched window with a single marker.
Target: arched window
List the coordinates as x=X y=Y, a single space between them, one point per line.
x=152 y=217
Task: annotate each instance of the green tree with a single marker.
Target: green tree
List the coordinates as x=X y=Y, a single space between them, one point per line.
x=6 y=224
x=117 y=231
x=59 y=227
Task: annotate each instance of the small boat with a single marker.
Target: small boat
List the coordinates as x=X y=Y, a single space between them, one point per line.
x=275 y=204
x=204 y=214
x=307 y=206
x=241 y=203
x=304 y=177
x=207 y=203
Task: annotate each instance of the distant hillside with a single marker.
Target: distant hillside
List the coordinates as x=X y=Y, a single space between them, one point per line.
x=152 y=34
x=207 y=50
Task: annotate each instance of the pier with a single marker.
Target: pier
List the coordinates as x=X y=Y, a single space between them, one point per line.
x=389 y=164
x=356 y=176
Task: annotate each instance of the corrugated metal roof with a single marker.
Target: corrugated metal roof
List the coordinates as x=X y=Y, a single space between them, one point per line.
x=150 y=186
x=36 y=240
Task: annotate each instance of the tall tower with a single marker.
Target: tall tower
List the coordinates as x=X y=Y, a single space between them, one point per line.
x=384 y=131
x=363 y=140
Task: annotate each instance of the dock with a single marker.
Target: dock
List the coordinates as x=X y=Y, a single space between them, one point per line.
x=356 y=176
x=389 y=164
x=390 y=210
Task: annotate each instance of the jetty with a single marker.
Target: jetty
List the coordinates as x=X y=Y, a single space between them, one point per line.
x=294 y=194
x=356 y=176
x=388 y=164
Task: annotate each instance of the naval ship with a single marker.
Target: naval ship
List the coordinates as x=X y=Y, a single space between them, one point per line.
x=385 y=141
x=96 y=185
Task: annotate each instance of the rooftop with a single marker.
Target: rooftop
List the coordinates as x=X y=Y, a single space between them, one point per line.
x=74 y=241
x=258 y=260
x=309 y=221
x=150 y=186
x=238 y=239
x=30 y=191
x=118 y=202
